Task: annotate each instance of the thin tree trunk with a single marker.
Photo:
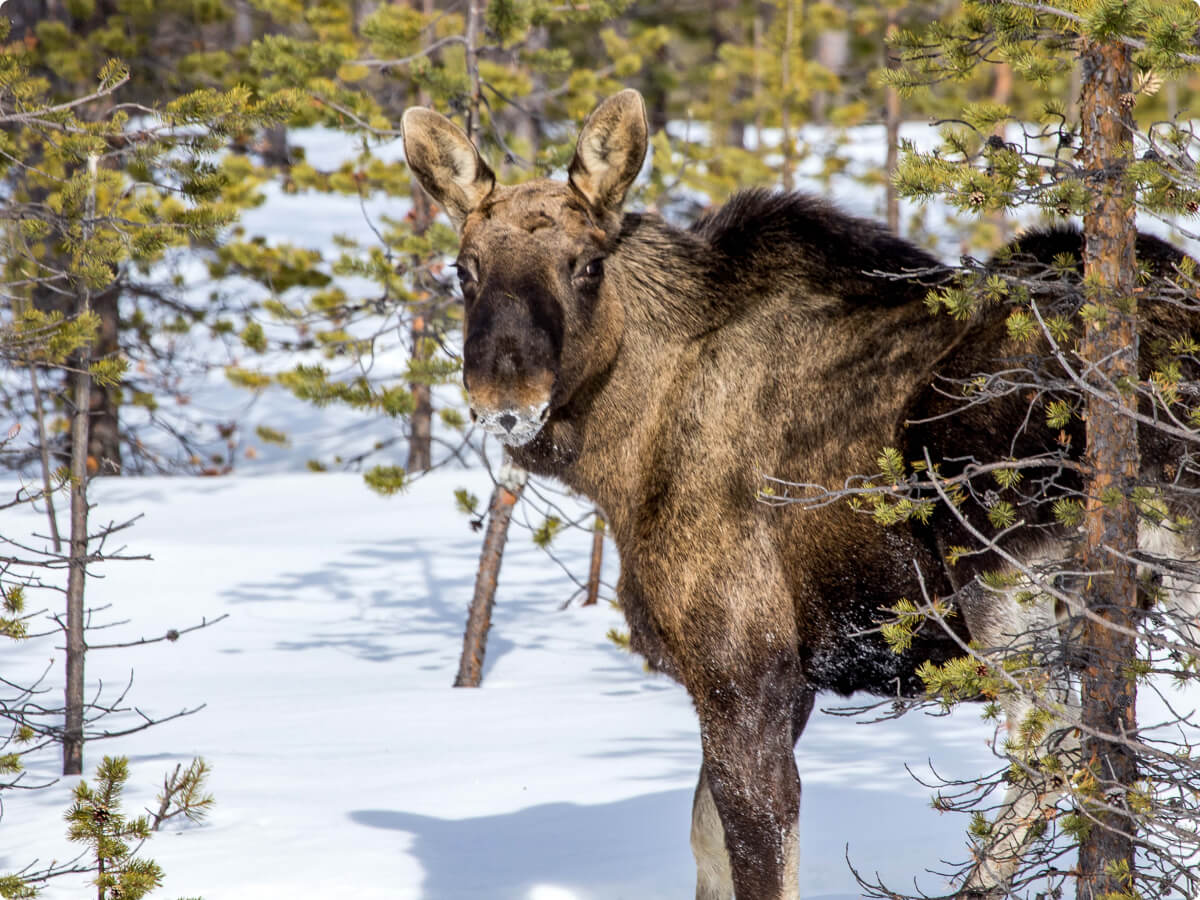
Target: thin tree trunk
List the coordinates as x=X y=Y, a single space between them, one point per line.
x=720 y=33
x=44 y=451
x=593 y=582
x=785 y=78
x=77 y=572
x=243 y=24
x=759 y=29
x=420 y=422
x=1002 y=94
x=833 y=52
x=475 y=11
x=362 y=9
x=104 y=427
x=479 y=616
x=1108 y=694
x=892 y=123
x=420 y=436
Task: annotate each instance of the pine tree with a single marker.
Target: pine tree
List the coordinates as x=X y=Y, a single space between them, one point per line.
x=90 y=195
x=169 y=50
x=1120 y=802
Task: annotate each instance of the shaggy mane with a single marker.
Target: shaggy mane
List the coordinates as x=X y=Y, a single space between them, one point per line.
x=834 y=250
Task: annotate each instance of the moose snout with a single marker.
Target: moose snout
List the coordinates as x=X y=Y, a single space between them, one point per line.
x=509 y=363
x=514 y=426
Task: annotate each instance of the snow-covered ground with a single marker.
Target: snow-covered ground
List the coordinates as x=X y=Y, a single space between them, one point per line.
x=344 y=763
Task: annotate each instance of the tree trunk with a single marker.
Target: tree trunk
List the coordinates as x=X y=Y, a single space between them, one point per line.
x=77 y=571
x=420 y=423
x=104 y=429
x=593 y=582
x=758 y=30
x=1001 y=94
x=475 y=12
x=420 y=431
x=722 y=31
x=1108 y=694
x=361 y=10
x=785 y=86
x=479 y=616
x=39 y=414
x=833 y=52
x=892 y=123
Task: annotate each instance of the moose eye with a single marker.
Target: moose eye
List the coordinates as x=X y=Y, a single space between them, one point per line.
x=592 y=271
x=466 y=278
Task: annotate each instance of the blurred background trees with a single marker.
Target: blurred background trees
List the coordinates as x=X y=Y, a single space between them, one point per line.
x=739 y=93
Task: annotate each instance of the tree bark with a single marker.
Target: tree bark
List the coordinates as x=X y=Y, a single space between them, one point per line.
x=104 y=429
x=785 y=79
x=44 y=453
x=479 y=617
x=833 y=52
x=77 y=570
x=593 y=582
x=420 y=423
x=475 y=11
x=420 y=430
x=892 y=123
x=1109 y=350
x=1002 y=89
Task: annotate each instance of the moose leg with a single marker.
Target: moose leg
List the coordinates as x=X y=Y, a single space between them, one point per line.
x=1003 y=626
x=714 y=875
x=749 y=776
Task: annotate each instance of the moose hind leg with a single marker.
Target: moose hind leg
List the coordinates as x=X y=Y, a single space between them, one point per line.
x=714 y=876
x=1002 y=626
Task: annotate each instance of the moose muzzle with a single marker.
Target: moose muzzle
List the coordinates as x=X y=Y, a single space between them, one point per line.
x=514 y=411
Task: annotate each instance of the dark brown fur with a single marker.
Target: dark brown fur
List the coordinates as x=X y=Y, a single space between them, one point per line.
x=674 y=370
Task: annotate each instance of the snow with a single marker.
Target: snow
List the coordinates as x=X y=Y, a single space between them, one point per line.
x=345 y=764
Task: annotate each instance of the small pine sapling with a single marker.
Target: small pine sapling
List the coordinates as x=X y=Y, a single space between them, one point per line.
x=183 y=794
x=96 y=820
x=112 y=839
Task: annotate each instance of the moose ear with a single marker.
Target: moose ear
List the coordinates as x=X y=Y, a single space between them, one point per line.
x=445 y=162
x=611 y=148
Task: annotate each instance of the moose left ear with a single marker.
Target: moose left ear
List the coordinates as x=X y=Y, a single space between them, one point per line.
x=611 y=148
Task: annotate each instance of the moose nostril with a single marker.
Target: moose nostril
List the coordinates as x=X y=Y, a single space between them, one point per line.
x=507 y=421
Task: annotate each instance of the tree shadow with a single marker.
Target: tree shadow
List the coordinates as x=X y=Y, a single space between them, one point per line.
x=635 y=848
x=639 y=847
x=378 y=617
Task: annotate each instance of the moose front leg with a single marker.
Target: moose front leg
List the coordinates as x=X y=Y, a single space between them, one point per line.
x=749 y=788
x=714 y=875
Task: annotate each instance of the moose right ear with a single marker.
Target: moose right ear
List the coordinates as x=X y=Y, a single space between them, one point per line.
x=445 y=162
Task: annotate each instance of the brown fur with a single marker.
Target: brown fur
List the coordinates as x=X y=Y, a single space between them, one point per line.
x=679 y=369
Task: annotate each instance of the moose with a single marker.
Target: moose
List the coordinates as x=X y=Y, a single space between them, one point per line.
x=663 y=372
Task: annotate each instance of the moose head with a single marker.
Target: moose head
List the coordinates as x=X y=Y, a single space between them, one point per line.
x=539 y=321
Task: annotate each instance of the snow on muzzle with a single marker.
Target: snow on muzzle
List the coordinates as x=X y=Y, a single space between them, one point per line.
x=514 y=426
x=515 y=411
